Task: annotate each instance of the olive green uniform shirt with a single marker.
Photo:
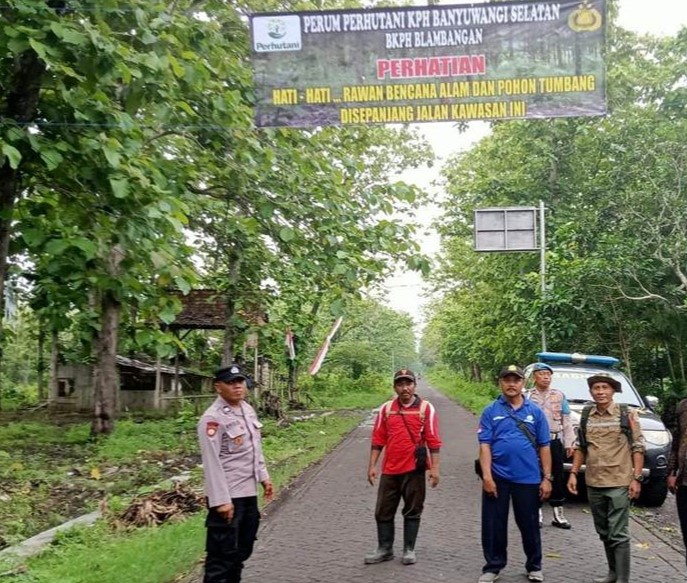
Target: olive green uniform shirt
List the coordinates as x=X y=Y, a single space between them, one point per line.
x=609 y=451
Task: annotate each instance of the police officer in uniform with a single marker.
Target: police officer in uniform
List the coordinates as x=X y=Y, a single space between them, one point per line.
x=557 y=411
x=233 y=465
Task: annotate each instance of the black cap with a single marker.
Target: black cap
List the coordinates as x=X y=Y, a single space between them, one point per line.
x=604 y=377
x=513 y=369
x=404 y=373
x=230 y=373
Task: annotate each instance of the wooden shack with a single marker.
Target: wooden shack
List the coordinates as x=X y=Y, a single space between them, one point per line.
x=73 y=390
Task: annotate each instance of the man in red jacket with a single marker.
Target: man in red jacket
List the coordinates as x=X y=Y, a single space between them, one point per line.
x=402 y=427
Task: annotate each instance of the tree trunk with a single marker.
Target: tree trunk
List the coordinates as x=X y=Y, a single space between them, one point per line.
x=105 y=378
x=54 y=357
x=230 y=330
x=40 y=366
x=291 y=386
x=476 y=372
x=106 y=383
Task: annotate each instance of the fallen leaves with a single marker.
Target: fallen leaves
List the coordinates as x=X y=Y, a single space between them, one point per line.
x=161 y=506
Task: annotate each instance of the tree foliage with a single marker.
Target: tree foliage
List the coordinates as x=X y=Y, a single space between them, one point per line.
x=614 y=191
x=130 y=168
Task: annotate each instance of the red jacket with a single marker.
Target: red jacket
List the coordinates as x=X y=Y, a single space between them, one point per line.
x=390 y=433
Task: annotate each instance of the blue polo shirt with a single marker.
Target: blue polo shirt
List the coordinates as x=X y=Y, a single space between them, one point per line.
x=513 y=455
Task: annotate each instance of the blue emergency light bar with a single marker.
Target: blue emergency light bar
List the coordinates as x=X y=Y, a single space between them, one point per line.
x=577 y=358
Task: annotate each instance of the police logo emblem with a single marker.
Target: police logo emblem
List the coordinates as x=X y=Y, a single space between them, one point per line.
x=238 y=441
x=211 y=428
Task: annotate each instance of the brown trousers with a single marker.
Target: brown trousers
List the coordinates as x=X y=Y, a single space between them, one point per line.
x=411 y=487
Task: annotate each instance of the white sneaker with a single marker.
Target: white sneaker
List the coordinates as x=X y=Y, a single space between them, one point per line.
x=535 y=576
x=487 y=577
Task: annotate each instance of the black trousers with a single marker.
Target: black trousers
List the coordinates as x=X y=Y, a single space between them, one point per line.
x=681 y=500
x=229 y=545
x=525 y=498
x=557 y=497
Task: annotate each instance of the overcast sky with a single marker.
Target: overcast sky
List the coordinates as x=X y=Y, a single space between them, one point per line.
x=405 y=291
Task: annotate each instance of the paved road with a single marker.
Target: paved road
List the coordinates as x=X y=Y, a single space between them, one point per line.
x=325 y=525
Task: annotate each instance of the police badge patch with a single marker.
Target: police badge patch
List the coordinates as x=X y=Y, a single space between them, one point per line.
x=211 y=428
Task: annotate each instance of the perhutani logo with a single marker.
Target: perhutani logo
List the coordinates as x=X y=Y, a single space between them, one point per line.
x=276 y=28
x=276 y=33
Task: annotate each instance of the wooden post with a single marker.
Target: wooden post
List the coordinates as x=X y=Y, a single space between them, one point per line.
x=157 y=402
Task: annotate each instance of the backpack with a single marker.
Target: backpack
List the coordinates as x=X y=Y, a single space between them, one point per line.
x=584 y=419
x=386 y=409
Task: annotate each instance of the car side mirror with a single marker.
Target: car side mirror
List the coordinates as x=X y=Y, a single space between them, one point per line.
x=651 y=401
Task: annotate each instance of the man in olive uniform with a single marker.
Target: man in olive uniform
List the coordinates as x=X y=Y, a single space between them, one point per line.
x=613 y=474
x=233 y=465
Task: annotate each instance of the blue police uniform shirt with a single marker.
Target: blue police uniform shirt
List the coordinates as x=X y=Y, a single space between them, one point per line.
x=512 y=453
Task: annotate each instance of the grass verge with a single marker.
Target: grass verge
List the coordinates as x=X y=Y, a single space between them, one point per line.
x=157 y=555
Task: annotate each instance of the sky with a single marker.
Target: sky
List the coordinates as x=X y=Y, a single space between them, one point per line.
x=406 y=291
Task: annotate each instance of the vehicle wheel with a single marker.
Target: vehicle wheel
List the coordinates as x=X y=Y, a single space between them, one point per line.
x=653 y=493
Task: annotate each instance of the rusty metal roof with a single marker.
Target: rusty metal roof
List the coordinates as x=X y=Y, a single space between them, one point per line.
x=206 y=309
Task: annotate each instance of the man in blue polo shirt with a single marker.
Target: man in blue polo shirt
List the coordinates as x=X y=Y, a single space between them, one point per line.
x=516 y=465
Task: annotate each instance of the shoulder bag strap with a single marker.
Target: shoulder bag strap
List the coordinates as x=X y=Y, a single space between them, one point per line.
x=405 y=422
x=524 y=429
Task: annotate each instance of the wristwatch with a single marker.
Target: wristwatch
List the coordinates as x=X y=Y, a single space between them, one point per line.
x=549 y=477
x=638 y=477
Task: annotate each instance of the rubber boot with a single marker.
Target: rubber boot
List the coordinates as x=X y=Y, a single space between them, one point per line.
x=410 y=528
x=385 y=544
x=610 y=577
x=559 y=519
x=622 y=563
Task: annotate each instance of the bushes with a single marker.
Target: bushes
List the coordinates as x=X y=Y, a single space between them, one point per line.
x=473 y=396
x=335 y=391
x=18 y=396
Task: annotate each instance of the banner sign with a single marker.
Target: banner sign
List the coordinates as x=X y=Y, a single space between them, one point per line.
x=505 y=60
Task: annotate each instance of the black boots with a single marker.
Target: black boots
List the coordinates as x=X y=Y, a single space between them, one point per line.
x=611 y=576
x=618 y=558
x=385 y=544
x=622 y=563
x=410 y=528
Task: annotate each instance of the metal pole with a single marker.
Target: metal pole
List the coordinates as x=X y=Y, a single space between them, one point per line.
x=542 y=266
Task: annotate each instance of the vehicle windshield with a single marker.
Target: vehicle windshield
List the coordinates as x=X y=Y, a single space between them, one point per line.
x=574 y=384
